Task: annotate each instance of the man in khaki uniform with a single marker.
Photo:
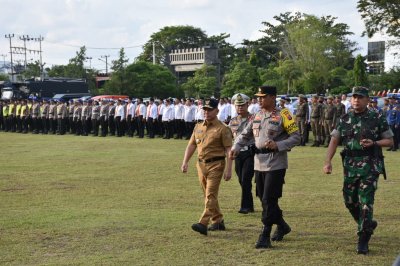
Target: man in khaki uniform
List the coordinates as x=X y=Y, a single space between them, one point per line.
x=301 y=118
x=213 y=139
x=316 y=113
x=329 y=118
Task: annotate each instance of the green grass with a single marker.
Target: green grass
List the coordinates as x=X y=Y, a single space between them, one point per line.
x=122 y=201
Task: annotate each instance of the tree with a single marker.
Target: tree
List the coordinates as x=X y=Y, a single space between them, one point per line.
x=4 y=77
x=119 y=76
x=319 y=46
x=380 y=15
x=360 y=76
x=32 y=70
x=243 y=78
x=289 y=72
x=143 y=79
x=169 y=38
x=203 y=84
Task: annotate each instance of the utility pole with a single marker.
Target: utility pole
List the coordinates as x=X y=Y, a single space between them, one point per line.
x=10 y=36
x=24 y=38
x=106 y=57
x=154 y=53
x=40 y=39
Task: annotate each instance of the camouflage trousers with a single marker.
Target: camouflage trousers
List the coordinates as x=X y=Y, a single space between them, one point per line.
x=359 y=194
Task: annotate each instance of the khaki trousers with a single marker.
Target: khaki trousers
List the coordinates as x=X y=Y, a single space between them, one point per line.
x=210 y=175
x=316 y=129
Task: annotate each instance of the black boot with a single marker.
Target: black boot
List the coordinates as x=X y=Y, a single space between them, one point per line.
x=281 y=230
x=362 y=246
x=264 y=238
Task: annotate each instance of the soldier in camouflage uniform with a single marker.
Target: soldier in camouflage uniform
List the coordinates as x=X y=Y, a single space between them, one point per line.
x=340 y=109
x=302 y=117
x=329 y=118
x=244 y=162
x=316 y=113
x=274 y=133
x=363 y=133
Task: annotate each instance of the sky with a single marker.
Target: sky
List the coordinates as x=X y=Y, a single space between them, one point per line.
x=67 y=25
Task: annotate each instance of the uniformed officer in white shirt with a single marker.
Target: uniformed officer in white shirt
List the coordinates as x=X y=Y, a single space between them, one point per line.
x=167 y=119
x=179 y=119
x=119 y=117
x=189 y=115
x=151 y=118
x=199 y=116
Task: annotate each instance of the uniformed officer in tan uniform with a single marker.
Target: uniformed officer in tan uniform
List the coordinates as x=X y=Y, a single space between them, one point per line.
x=316 y=113
x=302 y=118
x=244 y=162
x=274 y=132
x=329 y=118
x=213 y=140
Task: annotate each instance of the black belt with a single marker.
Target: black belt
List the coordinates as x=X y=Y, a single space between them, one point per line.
x=219 y=158
x=356 y=153
x=262 y=151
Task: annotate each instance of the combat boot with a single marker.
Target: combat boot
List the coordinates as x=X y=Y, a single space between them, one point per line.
x=362 y=246
x=281 y=230
x=264 y=238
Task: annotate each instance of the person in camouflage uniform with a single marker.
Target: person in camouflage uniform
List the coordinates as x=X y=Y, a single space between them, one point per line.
x=363 y=132
x=340 y=109
x=329 y=118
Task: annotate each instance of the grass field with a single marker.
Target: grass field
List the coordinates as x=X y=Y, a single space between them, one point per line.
x=121 y=201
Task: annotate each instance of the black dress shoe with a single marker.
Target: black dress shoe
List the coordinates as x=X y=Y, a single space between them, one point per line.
x=201 y=228
x=217 y=226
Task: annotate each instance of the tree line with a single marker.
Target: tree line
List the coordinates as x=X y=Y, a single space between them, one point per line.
x=298 y=53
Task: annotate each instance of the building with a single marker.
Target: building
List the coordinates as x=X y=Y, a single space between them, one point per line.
x=382 y=57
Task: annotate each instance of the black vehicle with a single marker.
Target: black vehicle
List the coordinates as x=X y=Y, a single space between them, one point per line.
x=45 y=88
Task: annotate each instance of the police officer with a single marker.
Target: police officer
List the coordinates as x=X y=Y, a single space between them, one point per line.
x=301 y=118
x=393 y=118
x=77 y=117
x=95 y=118
x=35 y=110
x=244 y=162
x=361 y=131
x=111 y=115
x=52 y=116
x=213 y=140
x=44 y=114
x=5 y=110
x=104 y=118
x=274 y=132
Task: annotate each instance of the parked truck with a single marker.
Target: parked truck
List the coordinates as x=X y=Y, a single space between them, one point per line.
x=45 y=88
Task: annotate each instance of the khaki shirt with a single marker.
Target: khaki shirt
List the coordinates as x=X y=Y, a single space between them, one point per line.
x=278 y=126
x=211 y=139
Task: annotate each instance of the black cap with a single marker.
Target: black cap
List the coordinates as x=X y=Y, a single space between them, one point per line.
x=210 y=104
x=264 y=90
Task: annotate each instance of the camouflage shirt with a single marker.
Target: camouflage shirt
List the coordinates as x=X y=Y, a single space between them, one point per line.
x=351 y=129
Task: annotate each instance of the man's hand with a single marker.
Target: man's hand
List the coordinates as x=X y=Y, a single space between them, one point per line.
x=227 y=175
x=366 y=143
x=270 y=144
x=233 y=154
x=328 y=168
x=184 y=167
